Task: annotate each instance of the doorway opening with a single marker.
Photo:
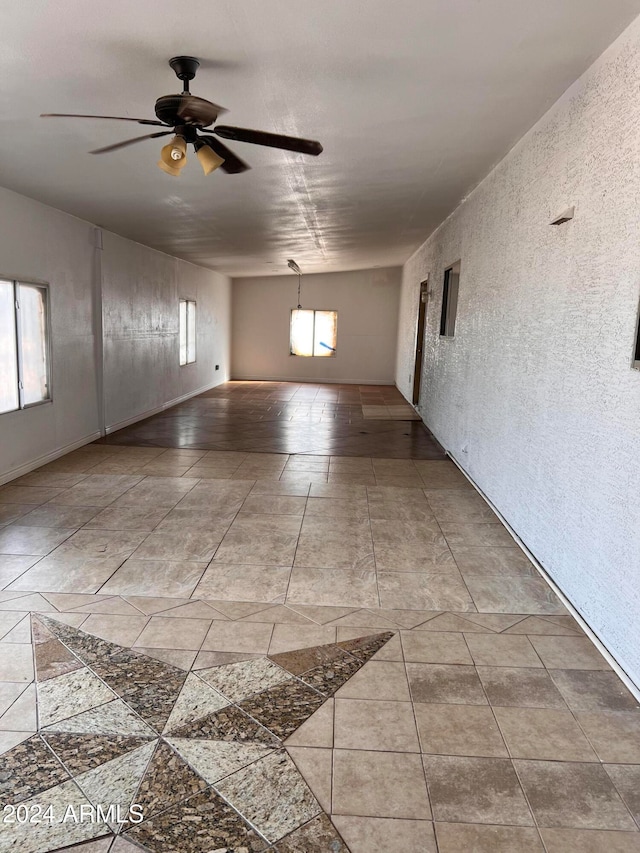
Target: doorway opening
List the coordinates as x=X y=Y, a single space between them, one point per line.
x=422 y=314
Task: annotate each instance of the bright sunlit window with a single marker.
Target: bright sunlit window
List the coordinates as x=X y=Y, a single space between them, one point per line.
x=313 y=333
x=24 y=345
x=187 y=331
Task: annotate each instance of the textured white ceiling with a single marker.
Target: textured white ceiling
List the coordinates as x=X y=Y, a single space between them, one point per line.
x=413 y=100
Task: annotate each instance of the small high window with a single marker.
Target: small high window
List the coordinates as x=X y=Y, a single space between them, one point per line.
x=187 y=331
x=450 y=301
x=24 y=345
x=313 y=333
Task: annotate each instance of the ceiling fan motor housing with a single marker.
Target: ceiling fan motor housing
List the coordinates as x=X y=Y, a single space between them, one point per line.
x=185 y=109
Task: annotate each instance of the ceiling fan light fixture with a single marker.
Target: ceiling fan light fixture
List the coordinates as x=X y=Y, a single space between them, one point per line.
x=168 y=168
x=183 y=116
x=207 y=157
x=174 y=155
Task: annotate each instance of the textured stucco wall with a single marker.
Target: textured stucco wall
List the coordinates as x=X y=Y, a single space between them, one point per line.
x=535 y=395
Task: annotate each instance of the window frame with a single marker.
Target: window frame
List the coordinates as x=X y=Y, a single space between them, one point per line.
x=334 y=352
x=44 y=286
x=450 y=293
x=635 y=357
x=188 y=302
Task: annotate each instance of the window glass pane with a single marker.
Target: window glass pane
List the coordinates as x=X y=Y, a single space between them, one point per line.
x=183 y=332
x=8 y=355
x=450 y=301
x=33 y=343
x=301 y=332
x=191 y=332
x=324 y=341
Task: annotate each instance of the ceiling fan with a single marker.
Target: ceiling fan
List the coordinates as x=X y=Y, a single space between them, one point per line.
x=188 y=118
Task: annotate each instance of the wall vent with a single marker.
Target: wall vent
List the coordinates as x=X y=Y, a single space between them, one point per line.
x=565 y=216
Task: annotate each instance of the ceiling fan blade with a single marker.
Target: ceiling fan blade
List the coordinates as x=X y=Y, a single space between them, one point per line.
x=113 y=118
x=273 y=140
x=233 y=165
x=130 y=142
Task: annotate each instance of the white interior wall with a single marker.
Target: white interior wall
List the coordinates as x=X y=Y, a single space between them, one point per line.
x=535 y=395
x=367 y=305
x=38 y=242
x=140 y=289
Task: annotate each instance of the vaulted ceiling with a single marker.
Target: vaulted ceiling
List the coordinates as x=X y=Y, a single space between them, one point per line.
x=414 y=102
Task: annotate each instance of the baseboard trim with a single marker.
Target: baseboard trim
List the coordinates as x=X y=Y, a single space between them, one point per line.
x=311 y=380
x=27 y=467
x=602 y=648
x=168 y=405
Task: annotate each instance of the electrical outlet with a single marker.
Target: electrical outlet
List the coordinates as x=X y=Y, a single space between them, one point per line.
x=217 y=367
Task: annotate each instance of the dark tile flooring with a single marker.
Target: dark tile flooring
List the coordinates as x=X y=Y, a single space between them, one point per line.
x=288 y=417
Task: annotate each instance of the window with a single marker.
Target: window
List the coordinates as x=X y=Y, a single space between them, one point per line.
x=24 y=345
x=636 y=352
x=187 y=331
x=313 y=332
x=450 y=301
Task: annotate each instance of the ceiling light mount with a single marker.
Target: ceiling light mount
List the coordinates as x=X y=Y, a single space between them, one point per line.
x=293 y=266
x=185 y=68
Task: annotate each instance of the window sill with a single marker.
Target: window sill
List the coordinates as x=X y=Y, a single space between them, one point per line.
x=28 y=407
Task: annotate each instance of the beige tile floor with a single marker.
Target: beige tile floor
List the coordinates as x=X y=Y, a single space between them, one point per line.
x=488 y=723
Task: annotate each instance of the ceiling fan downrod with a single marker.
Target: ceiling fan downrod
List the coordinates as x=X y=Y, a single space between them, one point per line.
x=185 y=68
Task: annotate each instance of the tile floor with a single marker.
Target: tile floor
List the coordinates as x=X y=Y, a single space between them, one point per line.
x=484 y=721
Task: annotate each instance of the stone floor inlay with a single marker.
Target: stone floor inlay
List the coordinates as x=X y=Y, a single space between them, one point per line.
x=82 y=752
x=70 y=693
x=167 y=780
x=317 y=836
x=196 y=700
x=221 y=779
x=116 y=782
x=242 y=680
x=27 y=769
x=282 y=709
x=215 y=759
x=272 y=794
x=110 y=719
x=201 y=824
x=228 y=724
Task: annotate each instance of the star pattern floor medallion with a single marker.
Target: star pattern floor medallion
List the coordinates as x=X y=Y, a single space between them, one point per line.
x=130 y=747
